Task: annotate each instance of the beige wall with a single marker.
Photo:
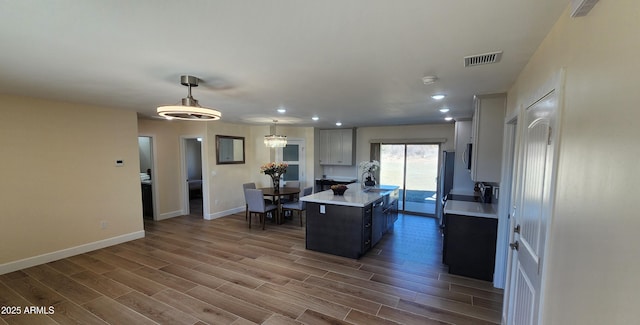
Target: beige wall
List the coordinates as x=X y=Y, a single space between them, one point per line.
x=222 y=182
x=169 y=185
x=406 y=132
x=59 y=180
x=403 y=132
x=225 y=181
x=364 y=135
x=593 y=263
x=307 y=134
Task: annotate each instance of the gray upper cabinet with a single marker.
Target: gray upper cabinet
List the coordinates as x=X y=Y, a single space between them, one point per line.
x=487 y=134
x=337 y=147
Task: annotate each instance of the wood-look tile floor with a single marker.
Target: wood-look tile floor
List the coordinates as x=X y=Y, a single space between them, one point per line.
x=192 y=271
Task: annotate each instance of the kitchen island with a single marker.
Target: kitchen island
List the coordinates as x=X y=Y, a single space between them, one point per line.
x=349 y=225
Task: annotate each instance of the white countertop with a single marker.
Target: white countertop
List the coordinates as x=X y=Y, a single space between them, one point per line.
x=354 y=196
x=473 y=209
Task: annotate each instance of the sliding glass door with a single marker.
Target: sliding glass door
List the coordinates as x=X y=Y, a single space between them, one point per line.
x=414 y=168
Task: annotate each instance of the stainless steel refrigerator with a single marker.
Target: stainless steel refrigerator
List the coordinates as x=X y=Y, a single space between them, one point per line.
x=445 y=181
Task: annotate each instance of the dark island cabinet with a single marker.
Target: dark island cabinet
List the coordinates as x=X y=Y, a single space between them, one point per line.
x=469 y=246
x=390 y=214
x=379 y=222
x=339 y=230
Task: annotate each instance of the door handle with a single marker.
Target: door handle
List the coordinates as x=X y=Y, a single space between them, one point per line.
x=514 y=245
x=516 y=229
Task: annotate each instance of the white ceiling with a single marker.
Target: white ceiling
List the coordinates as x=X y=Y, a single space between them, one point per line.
x=357 y=61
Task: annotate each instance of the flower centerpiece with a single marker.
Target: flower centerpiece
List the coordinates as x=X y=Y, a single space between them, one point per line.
x=275 y=170
x=368 y=168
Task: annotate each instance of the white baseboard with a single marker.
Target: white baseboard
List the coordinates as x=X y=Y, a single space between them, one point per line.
x=170 y=215
x=53 y=256
x=220 y=214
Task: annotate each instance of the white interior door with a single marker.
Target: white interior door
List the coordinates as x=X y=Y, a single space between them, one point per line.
x=293 y=154
x=532 y=210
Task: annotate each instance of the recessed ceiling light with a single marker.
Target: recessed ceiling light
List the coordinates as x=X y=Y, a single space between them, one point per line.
x=281 y=110
x=448 y=118
x=338 y=123
x=315 y=118
x=438 y=97
x=444 y=110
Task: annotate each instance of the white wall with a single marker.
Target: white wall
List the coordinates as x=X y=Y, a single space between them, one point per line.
x=593 y=262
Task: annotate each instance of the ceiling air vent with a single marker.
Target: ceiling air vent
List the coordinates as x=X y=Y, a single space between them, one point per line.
x=473 y=60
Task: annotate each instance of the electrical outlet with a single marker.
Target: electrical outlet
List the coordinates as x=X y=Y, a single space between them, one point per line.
x=103 y=224
x=322 y=209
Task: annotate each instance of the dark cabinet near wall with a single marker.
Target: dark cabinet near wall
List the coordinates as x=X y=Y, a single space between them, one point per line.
x=147 y=201
x=469 y=247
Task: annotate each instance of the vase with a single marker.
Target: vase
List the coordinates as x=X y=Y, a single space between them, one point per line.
x=368 y=179
x=275 y=179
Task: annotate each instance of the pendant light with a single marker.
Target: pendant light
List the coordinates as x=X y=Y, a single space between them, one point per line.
x=190 y=110
x=274 y=140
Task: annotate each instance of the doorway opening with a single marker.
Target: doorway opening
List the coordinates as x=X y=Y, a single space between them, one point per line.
x=414 y=168
x=145 y=148
x=193 y=173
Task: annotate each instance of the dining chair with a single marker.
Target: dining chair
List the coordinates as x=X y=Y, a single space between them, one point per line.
x=246 y=186
x=256 y=205
x=295 y=184
x=290 y=198
x=251 y=186
x=298 y=205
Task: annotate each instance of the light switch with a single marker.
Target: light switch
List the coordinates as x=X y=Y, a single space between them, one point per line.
x=322 y=210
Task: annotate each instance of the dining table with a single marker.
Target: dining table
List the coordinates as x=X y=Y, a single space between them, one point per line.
x=277 y=194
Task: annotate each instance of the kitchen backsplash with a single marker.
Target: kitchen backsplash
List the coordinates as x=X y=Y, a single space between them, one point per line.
x=340 y=171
